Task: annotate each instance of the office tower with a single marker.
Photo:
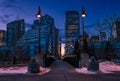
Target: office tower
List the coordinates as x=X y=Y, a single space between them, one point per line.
x=116 y=31
x=72 y=30
x=103 y=36
x=94 y=39
x=15 y=30
x=2 y=37
x=48 y=34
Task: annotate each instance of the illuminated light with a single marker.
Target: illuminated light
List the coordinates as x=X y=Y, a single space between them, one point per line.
x=71 y=46
x=83 y=15
x=62 y=49
x=39 y=12
x=38 y=15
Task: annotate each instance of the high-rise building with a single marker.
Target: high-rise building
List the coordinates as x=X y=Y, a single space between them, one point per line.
x=116 y=31
x=86 y=35
x=72 y=30
x=57 y=42
x=2 y=37
x=94 y=39
x=48 y=35
x=59 y=46
x=102 y=36
x=15 y=30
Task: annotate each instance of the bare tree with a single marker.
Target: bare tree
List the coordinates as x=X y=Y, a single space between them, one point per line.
x=107 y=23
x=100 y=28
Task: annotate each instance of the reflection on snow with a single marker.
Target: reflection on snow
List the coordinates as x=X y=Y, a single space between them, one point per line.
x=21 y=70
x=109 y=67
x=104 y=67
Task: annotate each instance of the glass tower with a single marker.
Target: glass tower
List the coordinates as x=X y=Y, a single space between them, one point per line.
x=72 y=30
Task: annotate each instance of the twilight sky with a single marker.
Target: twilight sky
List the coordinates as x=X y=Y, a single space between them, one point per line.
x=26 y=9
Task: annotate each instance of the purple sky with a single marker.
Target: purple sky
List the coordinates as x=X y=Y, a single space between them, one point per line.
x=26 y=9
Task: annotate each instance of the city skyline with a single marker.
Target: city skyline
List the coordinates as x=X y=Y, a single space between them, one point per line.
x=96 y=10
x=59 y=40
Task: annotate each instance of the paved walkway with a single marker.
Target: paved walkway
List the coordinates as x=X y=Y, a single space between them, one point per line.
x=61 y=71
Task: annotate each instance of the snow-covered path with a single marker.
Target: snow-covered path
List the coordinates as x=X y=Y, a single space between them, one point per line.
x=60 y=66
x=62 y=71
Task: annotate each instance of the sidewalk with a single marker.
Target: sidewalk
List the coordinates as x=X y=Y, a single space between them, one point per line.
x=61 y=71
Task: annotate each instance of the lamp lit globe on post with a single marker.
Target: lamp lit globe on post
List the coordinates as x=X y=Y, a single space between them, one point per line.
x=84 y=53
x=38 y=15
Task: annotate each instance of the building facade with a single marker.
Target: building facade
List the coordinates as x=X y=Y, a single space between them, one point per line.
x=72 y=30
x=59 y=47
x=94 y=39
x=116 y=31
x=15 y=30
x=102 y=36
x=2 y=37
x=48 y=37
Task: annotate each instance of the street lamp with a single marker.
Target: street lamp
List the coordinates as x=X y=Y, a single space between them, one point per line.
x=83 y=15
x=38 y=15
x=84 y=41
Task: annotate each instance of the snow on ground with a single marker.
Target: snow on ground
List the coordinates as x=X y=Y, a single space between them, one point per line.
x=84 y=70
x=109 y=67
x=104 y=67
x=21 y=70
x=10 y=70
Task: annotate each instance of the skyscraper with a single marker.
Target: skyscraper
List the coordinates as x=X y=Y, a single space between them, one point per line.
x=116 y=31
x=72 y=30
x=103 y=36
x=48 y=37
x=15 y=30
x=2 y=37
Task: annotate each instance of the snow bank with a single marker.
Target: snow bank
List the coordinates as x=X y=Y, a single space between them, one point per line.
x=104 y=67
x=84 y=70
x=6 y=70
x=109 y=67
x=21 y=70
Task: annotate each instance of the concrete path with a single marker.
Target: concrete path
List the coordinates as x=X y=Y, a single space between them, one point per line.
x=61 y=67
x=62 y=71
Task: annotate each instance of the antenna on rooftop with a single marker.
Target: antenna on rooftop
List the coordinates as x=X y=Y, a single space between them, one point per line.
x=17 y=17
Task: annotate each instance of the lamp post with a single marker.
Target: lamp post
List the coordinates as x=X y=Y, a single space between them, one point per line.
x=85 y=53
x=35 y=64
x=83 y=15
x=84 y=41
x=38 y=15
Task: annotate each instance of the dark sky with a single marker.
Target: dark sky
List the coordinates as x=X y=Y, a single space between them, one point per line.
x=95 y=9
